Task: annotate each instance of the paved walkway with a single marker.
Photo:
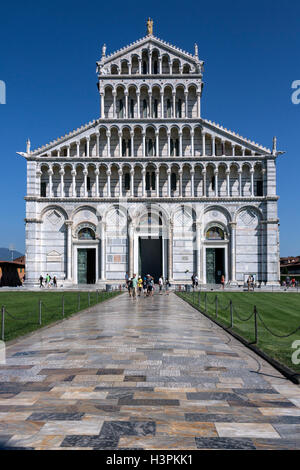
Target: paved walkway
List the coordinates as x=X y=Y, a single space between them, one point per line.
x=150 y=374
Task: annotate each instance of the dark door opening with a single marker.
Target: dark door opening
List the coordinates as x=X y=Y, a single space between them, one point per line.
x=150 y=257
x=215 y=265
x=86 y=265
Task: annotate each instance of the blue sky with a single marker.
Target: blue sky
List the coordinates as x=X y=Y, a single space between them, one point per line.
x=47 y=60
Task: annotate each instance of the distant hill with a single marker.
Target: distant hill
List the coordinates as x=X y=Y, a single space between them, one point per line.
x=5 y=254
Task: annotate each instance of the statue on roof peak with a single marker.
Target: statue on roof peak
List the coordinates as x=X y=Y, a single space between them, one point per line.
x=149 y=26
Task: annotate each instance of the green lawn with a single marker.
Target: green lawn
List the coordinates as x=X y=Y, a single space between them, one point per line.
x=279 y=311
x=22 y=308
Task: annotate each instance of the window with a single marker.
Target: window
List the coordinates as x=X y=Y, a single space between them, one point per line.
x=155 y=68
x=174 y=147
x=144 y=67
x=259 y=188
x=150 y=148
x=121 y=109
x=147 y=181
x=169 y=108
x=123 y=148
x=127 y=181
x=150 y=180
x=179 y=108
x=86 y=234
x=43 y=189
x=144 y=108
x=173 y=181
x=155 y=109
x=213 y=183
x=132 y=108
x=215 y=233
x=88 y=183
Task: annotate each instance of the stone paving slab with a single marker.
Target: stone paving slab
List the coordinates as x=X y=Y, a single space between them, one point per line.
x=146 y=374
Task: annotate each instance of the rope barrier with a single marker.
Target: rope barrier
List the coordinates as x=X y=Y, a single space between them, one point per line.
x=274 y=334
x=243 y=319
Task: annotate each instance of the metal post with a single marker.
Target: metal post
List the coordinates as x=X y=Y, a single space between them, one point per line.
x=2 y=322
x=40 y=312
x=97 y=295
x=255 y=325
x=63 y=305
x=216 y=306
x=78 y=301
x=231 y=315
x=205 y=298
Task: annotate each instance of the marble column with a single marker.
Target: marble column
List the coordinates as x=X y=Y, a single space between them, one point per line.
x=98 y=143
x=87 y=146
x=132 y=182
x=69 y=224
x=252 y=181
x=85 y=173
x=213 y=145
x=102 y=105
x=180 y=172
x=97 y=182
x=157 y=143
x=138 y=104
x=204 y=182
x=186 y=94
x=198 y=248
x=228 y=182
x=157 y=182
x=180 y=144
x=144 y=143
x=169 y=181
x=159 y=65
x=120 y=173
x=174 y=104
x=126 y=104
x=198 y=105
x=103 y=245
x=68 y=150
x=114 y=93
x=192 y=173
x=140 y=65
x=192 y=144
x=169 y=143
x=143 y=182
x=216 y=173
x=108 y=174
x=132 y=143
x=62 y=172
x=108 y=143
x=120 y=143
x=73 y=173
x=150 y=104
x=77 y=148
x=203 y=144
x=233 y=251
x=263 y=172
x=50 y=174
x=38 y=183
x=162 y=113
x=170 y=251
x=240 y=183
x=131 y=249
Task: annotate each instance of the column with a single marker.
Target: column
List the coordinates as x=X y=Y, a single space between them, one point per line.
x=169 y=143
x=144 y=143
x=157 y=182
x=120 y=173
x=97 y=181
x=143 y=182
x=38 y=183
x=150 y=104
x=87 y=146
x=174 y=104
x=58 y=152
x=228 y=182
x=138 y=104
x=61 y=172
x=186 y=94
x=132 y=182
x=108 y=143
x=159 y=65
x=213 y=145
x=263 y=171
x=108 y=173
x=162 y=112
x=198 y=248
x=216 y=173
x=50 y=173
x=170 y=251
x=180 y=143
x=103 y=244
x=85 y=173
x=198 y=105
x=224 y=147
x=98 y=143
x=69 y=224
x=157 y=142
x=204 y=183
x=243 y=151
x=192 y=173
x=252 y=181
x=180 y=182
x=192 y=144
x=126 y=104
x=169 y=181
x=131 y=251
x=233 y=251
x=114 y=93
x=68 y=150
x=140 y=65
x=102 y=105
x=203 y=144
x=132 y=143
x=120 y=143
x=78 y=148
x=240 y=183
x=73 y=173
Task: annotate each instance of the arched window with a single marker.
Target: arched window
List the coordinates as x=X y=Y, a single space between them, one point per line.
x=144 y=108
x=121 y=109
x=127 y=181
x=86 y=234
x=179 y=108
x=144 y=67
x=173 y=181
x=132 y=108
x=214 y=233
x=155 y=68
x=155 y=109
x=169 y=108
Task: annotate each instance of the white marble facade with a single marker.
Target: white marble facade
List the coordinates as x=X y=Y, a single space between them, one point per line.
x=151 y=167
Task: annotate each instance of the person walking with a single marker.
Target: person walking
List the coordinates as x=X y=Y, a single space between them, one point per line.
x=196 y=280
x=140 y=286
x=126 y=279
x=129 y=286
x=160 y=284
x=167 y=286
x=193 y=280
x=223 y=281
x=145 y=286
x=134 y=286
x=41 y=281
x=54 y=281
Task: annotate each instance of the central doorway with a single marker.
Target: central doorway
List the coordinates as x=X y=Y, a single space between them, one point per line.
x=150 y=257
x=86 y=265
x=215 y=265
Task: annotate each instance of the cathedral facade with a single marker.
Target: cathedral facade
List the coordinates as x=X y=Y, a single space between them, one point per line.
x=151 y=186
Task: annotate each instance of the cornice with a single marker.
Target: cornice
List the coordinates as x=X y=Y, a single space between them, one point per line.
x=154 y=199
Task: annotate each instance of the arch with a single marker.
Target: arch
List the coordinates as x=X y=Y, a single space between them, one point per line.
x=251 y=207
x=54 y=207
x=221 y=209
